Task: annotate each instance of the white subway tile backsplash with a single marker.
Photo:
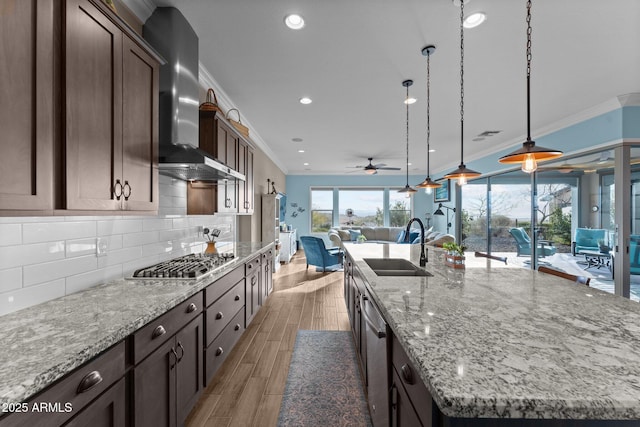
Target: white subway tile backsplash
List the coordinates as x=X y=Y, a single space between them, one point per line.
x=38 y=273
x=119 y=226
x=52 y=231
x=42 y=258
x=10 y=279
x=26 y=297
x=10 y=234
x=14 y=256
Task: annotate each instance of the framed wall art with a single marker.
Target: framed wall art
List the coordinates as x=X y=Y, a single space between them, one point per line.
x=442 y=194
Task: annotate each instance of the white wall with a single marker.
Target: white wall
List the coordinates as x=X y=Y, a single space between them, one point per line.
x=42 y=258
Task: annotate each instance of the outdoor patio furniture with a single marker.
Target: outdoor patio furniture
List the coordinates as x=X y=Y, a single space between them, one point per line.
x=586 y=239
x=597 y=259
x=523 y=244
x=497 y=258
x=317 y=253
x=583 y=280
x=634 y=254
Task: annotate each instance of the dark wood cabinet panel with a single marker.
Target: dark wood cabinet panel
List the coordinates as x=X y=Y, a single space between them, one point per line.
x=155 y=387
x=27 y=111
x=139 y=128
x=109 y=410
x=245 y=167
x=93 y=102
x=189 y=371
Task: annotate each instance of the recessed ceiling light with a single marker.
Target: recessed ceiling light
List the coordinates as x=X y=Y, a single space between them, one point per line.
x=294 y=21
x=296 y=139
x=474 y=20
x=306 y=164
x=410 y=101
x=305 y=100
x=300 y=151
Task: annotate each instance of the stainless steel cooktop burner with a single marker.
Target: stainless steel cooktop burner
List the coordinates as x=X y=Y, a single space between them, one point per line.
x=190 y=266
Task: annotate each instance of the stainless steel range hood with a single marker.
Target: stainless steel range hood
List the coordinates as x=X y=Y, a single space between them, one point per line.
x=179 y=156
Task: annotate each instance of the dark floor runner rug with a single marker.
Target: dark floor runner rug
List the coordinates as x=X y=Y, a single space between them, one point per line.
x=324 y=387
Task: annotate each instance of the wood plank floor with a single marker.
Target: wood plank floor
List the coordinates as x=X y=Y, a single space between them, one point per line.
x=247 y=390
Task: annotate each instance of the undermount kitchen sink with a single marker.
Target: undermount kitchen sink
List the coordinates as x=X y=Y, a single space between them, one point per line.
x=395 y=267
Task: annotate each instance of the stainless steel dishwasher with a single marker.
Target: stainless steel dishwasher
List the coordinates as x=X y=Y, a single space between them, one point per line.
x=376 y=333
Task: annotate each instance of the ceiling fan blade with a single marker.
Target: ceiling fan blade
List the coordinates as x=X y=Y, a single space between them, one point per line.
x=389 y=168
x=379 y=165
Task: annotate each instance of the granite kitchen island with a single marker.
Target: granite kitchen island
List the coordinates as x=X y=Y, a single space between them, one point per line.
x=494 y=343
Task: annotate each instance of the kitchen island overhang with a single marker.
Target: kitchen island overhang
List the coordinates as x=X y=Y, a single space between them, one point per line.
x=501 y=341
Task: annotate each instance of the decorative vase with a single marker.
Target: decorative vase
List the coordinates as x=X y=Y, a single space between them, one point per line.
x=453 y=260
x=211 y=248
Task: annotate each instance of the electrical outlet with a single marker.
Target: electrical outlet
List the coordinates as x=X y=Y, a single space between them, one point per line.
x=201 y=230
x=102 y=245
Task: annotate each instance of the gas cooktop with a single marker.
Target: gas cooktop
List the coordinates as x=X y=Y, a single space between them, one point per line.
x=191 y=266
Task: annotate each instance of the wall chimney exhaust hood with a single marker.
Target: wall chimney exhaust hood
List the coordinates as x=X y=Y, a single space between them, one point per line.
x=171 y=35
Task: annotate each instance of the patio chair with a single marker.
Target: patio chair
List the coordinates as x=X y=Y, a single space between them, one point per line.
x=582 y=280
x=317 y=253
x=523 y=244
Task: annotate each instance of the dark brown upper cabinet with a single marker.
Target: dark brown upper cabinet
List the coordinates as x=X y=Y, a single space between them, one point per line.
x=111 y=108
x=27 y=110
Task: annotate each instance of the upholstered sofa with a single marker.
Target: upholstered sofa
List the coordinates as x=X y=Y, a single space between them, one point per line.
x=337 y=235
x=586 y=239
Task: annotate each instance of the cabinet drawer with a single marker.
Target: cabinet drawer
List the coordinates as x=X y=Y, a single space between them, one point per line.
x=73 y=392
x=222 y=285
x=267 y=255
x=410 y=379
x=219 y=314
x=252 y=266
x=159 y=330
x=107 y=410
x=219 y=349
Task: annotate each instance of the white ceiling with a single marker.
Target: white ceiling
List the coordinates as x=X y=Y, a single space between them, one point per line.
x=353 y=55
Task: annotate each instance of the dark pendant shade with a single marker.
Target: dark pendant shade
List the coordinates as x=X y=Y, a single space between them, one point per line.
x=530 y=148
x=428 y=183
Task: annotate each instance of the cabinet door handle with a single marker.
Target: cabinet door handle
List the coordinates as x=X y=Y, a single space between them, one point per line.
x=237 y=298
x=253 y=281
x=394 y=406
x=219 y=351
x=89 y=381
x=237 y=327
x=126 y=193
x=181 y=353
x=158 y=331
x=117 y=189
x=407 y=374
x=191 y=308
x=175 y=355
x=219 y=315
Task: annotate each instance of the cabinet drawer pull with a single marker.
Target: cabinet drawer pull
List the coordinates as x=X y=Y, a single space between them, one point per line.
x=219 y=351
x=237 y=327
x=158 y=332
x=219 y=315
x=237 y=298
x=253 y=281
x=89 y=381
x=126 y=193
x=407 y=374
x=182 y=351
x=191 y=308
x=117 y=189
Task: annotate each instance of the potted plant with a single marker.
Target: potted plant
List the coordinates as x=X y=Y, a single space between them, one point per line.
x=361 y=238
x=454 y=256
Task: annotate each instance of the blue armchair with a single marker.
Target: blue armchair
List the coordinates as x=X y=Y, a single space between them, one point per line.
x=317 y=253
x=586 y=239
x=523 y=243
x=634 y=254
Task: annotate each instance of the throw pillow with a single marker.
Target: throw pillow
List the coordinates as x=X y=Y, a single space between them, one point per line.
x=413 y=235
x=400 y=238
x=354 y=235
x=344 y=235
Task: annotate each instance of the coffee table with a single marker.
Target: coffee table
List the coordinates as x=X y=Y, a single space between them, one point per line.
x=597 y=259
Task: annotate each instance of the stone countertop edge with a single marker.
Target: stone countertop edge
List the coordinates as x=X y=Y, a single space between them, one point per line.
x=43 y=343
x=520 y=398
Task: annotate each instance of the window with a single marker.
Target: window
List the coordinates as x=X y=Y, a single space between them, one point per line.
x=399 y=209
x=321 y=210
x=361 y=207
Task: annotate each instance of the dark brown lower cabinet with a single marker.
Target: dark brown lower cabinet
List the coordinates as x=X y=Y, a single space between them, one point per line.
x=168 y=382
x=109 y=410
x=402 y=413
x=253 y=299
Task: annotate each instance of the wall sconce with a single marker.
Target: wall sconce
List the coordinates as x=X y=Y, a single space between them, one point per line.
x=440 y=212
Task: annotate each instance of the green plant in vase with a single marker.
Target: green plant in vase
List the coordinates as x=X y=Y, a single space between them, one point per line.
x=362 y=238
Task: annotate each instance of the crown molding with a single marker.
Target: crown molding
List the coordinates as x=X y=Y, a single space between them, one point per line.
x=141 y=8
x=629 y=100
x=206 y=81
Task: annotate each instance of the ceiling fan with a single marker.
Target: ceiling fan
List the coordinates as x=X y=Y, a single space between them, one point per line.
x=372 y=169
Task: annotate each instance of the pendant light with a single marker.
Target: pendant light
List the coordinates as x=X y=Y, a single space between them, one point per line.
x=407 y=189
x=530 y=154
x=462 y=173
x=428 y=184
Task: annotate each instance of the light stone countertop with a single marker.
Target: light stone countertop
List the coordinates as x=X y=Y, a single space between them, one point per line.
x=40 y=344
x=496 y=341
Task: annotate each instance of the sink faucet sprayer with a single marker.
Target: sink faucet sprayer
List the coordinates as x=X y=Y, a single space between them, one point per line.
x=423 y=254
